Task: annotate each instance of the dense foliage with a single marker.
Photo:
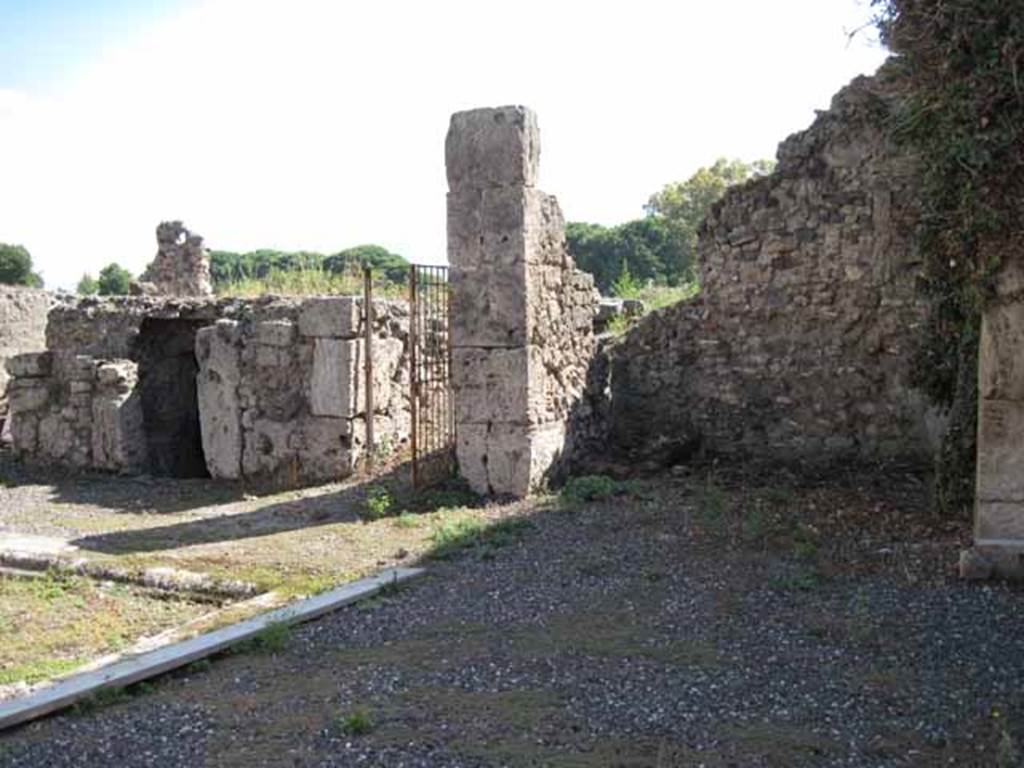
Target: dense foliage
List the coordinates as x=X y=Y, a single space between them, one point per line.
x=647 y=249
x=87 y=286
x=227 y=267
x=963 y=64
x=114 y=280
x=16 y=267
x=661 y=247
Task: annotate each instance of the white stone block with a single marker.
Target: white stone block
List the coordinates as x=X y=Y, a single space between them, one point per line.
x=492 y=147
x=331 y=317
x=336 y=383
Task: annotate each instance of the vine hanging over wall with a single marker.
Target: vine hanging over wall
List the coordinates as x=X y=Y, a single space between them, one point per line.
x=963 y=62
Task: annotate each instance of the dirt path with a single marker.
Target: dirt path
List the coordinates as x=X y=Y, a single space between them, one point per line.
x=683 y=623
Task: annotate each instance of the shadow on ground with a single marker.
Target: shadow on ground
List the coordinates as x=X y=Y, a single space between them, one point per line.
x=347 y=505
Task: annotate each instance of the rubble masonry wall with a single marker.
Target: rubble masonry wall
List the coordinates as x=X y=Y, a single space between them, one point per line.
x=800 y=344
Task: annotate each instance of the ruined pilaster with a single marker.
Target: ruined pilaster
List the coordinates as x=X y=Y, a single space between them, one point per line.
x=181 y=266
x=522 y=314
x=999 y=504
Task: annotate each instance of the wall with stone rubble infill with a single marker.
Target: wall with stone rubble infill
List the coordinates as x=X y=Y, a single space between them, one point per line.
x=22 y=327
x=269 y=389
x=799 y=346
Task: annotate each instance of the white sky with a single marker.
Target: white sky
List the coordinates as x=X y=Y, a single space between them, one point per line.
x=318 y=125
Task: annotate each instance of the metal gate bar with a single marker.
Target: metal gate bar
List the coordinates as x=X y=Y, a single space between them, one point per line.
x=371 y=447
x=433 y=416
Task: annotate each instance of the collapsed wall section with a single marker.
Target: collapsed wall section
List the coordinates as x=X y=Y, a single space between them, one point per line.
x=799 y=346
x=522 y=335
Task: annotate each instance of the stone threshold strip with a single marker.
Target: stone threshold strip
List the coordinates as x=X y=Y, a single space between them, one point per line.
x=24 y=552
x=146 y=665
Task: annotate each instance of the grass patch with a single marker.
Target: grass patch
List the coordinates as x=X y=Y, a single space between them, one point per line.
x=580 y=490
x=778 y=742
x=407 y=520
x=712 y=507
x=358 y=722
x=309 y=282
x=106 y=697
x=378 y=503
x=803 y=581
x=452 y=537
x=273 y=638
x=35 y=671
x=50 y=625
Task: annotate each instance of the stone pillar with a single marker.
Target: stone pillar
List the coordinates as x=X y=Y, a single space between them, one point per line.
x=999 y=505
x=522 y=332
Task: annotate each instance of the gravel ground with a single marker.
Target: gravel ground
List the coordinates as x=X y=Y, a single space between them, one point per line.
x=678 y=625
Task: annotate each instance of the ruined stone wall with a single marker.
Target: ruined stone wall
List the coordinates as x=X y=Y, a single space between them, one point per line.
x=286 y=398
x=277 y=386
x=22 y=327
x=522 y=330
x=799 y=346
x=181 y=266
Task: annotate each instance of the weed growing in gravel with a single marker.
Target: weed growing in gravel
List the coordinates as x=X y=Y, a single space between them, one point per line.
x=198 y=666
x=450 y=537
x=861 y=630
x=805 y=544
x=355 y=723
x=712 y=507
x=1008 y=755
x=779 y=495
x=579 y=490
x=106 y=697
x=756 y=526
x=378 y=503
x=803 y=581
x=271 y=639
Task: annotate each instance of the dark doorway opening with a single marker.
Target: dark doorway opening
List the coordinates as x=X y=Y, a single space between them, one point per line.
x=166 y=354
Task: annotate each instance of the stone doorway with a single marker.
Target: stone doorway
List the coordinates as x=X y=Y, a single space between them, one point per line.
x=170 y=407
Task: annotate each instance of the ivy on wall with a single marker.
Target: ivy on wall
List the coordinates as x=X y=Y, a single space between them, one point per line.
x=963 y=63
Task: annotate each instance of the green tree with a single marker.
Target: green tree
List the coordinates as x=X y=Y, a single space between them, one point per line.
x=16 y=266
x=87 y=286
x=394 y=267
x=685 y=204
x=227 y=267
x=114 y=280
x=649 y=247
x=625 y=285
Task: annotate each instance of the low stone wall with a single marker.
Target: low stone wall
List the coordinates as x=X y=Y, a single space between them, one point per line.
x=266 y=389
x=22 y=328
x=799 y=346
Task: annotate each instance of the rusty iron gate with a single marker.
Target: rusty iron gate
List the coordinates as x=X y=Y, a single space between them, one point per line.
x=430 y=361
